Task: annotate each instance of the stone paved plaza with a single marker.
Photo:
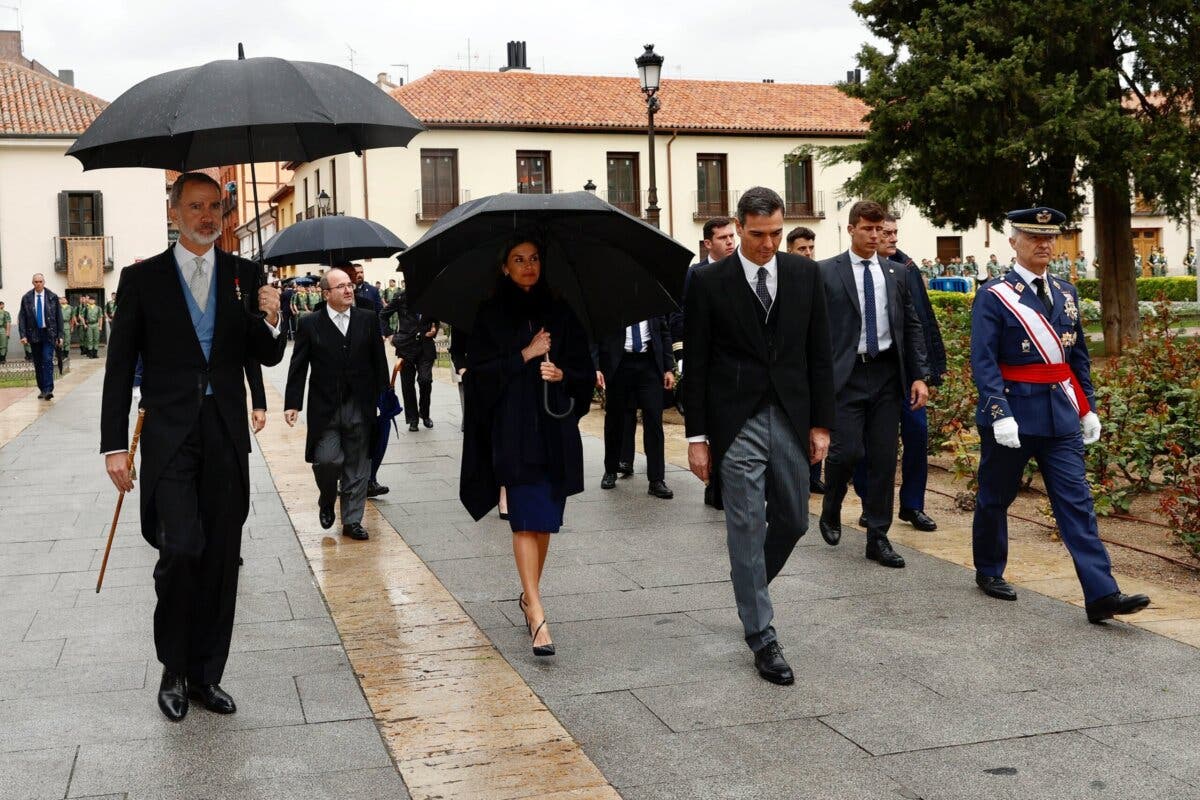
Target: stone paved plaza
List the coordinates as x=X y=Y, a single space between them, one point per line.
x=910 y=684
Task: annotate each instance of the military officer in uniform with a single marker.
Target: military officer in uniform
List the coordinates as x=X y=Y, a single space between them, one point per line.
x=93 y=319
x=69 y=320
x=1030 y=363
x=5 y=327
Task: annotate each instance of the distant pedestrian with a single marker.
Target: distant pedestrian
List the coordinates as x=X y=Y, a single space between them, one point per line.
x=5 y=330
x=414 y=342
x=40 y=323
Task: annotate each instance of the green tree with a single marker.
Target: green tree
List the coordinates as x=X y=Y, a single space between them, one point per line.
x=981 y=107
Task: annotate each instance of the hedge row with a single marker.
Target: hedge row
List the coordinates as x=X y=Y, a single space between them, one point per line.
x=1176 y=288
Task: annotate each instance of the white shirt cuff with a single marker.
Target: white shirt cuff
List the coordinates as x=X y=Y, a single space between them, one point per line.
x=110 y=452
x=700 y=438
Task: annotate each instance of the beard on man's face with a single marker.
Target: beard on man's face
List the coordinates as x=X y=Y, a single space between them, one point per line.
x=199 y=237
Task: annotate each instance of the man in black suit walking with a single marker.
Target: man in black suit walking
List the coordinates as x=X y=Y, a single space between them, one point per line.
x=40 y=323
x=878 y=363
x=342 y=345
x=633 y=368
x=759 y=404
x=190 y=316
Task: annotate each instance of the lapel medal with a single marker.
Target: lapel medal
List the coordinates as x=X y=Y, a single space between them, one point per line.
x=1020 y=287
x=1070 y=309
x=1025 y=346
x=237 y=288
x=1067 y=339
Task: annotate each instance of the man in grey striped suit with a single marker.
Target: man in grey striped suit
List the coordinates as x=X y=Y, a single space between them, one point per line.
x=759 y=402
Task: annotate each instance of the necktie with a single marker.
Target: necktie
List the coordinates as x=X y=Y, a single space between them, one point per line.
x=41 y=316
x=198 y=284
x=869 y=310
x=635 y=338
x=342 y=322
x=760 y=289
x=1042 y=294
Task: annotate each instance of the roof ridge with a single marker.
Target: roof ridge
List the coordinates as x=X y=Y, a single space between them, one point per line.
x=55 y=81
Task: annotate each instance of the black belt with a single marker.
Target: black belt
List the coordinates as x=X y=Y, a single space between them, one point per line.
x=866 y=358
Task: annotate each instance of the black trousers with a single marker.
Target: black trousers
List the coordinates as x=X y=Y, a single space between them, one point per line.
x=867 y=426
x=635 y=383
x=417 y=369
x=202 y=505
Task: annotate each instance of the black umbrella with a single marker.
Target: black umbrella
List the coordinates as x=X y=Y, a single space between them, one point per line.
x=241 y=112
x=613 y=268
x=330 y=240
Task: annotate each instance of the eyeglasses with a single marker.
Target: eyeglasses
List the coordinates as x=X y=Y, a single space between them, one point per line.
x=341 y=286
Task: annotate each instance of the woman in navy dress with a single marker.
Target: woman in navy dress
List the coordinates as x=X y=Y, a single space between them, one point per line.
x=523 y=339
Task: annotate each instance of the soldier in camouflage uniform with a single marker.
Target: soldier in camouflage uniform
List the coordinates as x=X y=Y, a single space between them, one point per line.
x=69 y=318
x=994 y=269
x=1189 y=262
x=93 y=318
x=5 y=326
x=110 y=311
x=1081 y=265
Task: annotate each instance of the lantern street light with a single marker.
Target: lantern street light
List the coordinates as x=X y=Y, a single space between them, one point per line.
x=649 y=66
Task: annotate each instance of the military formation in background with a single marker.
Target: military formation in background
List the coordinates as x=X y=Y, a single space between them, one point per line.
x=5 y=329
x=1061 y=265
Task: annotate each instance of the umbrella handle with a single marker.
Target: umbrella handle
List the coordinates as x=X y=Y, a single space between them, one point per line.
x=546 y=399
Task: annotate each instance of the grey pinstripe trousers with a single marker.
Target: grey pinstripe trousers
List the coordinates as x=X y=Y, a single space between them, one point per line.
x=764 y=485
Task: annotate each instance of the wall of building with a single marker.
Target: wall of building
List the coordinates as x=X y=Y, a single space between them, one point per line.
x=32 y=173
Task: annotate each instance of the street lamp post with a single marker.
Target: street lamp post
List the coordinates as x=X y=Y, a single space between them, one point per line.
x=324 y=201
x=649 y=66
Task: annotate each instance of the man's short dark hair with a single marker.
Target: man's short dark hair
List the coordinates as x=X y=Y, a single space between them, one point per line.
x=866 y=209
x=713 y=224
x=800 y=233
x=186 y=178
x=759 y=201
x=890 y=217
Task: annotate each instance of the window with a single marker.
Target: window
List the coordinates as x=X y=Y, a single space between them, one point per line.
x=81 y=214
x=439 y=182
x=797 y=189
x=712 y=200
x=623 y=182
x=948 y=247
x=533 y=171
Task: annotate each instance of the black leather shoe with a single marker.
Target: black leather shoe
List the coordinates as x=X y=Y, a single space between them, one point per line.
x=772 y=666
x=326 y=515
x=41 y=395
x=355 y=531
x=1115 y=603
x=919 y=519
x=625 y=468
x=376 y=489
x=412 y=426
x=831 y=533
x=710 y=495
x=995 y=587
x=173 y=696
x=49 y=396
x=427 y=422
x=214 y=698
x=880 y=549
x=816 y=487
x=660 y=489
x=609 y=481
x=862 y=521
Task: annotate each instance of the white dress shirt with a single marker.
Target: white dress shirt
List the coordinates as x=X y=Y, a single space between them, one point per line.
x=1028 y=277
x=644 y=329
x=883 y=328
x=340 y=318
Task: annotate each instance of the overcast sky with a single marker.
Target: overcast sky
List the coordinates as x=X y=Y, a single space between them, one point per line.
x=113 y=44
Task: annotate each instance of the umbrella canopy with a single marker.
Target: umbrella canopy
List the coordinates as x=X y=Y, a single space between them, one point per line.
x=241 y=112
x=613 y=268
x=330 y=240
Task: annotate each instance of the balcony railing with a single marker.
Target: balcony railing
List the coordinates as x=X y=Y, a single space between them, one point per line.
x=630 y=201
x=813 y=209
x=714 y=204
x=429 y=210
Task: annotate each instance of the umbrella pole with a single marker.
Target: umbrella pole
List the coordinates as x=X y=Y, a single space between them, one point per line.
x=546 y=398
x=254 y=191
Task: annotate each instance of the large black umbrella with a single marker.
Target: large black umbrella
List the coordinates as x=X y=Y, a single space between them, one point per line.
x=613 y=268
x=331 y=240
x=241 y=112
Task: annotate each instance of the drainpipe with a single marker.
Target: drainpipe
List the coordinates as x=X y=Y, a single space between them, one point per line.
x=670 y=192
x=366 y=194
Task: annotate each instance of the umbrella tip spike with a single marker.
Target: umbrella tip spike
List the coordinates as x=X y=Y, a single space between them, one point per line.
x=241 y=52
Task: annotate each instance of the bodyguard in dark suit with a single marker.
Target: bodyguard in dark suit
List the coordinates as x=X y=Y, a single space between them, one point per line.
x=414 y=342
x=634 y=367
x=759 y=404
x=342 y=345
x=878 y=363
x=190 y=315
x=1030 y=362
x=40 y=323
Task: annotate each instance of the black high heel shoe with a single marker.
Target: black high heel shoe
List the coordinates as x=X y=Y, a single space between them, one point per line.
x=503 y=514
x=540 y=649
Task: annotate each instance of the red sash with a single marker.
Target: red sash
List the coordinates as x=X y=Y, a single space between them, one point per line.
x=1047 y=373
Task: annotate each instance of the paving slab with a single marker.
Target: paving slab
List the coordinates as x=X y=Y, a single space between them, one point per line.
x=36 y=774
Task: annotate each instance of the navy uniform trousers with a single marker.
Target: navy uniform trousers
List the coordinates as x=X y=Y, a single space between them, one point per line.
x=1060 y=461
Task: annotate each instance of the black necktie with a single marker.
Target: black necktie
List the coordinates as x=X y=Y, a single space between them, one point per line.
x=1042 y=294
x=760 y=289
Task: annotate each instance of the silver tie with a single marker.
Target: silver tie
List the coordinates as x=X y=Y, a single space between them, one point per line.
x=198 y=284
x=342 y=323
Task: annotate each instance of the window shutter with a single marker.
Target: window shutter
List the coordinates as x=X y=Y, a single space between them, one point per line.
x=64 y=214
x=97 y=214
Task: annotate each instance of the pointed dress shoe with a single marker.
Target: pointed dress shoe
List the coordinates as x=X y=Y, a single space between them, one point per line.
x=625 y=468
x=214 y=698
x=772 y=666
x=375 y=489
x=995 y=587
x=880 y=549
x=816 y=487
x=918 y=519
x=862 y=522
x=427 y=422
x=325 y=513
x=609 y=481
x=660 y=489
x=831 y=533
x=412 y=426
x=173 y=696
x=1115 y=603
x=355 y=531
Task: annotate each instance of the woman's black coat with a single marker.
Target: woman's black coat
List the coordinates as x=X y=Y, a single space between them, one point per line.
x=508 y=438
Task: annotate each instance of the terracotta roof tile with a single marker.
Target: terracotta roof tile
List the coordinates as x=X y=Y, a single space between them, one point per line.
x=450 y=98
x=34 y=103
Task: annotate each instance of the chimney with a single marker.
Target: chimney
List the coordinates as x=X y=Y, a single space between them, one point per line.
x=10 y=47
x=516 y=57
x=67 y=76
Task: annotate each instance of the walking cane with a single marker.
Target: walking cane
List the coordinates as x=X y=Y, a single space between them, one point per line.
x=137 y=434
